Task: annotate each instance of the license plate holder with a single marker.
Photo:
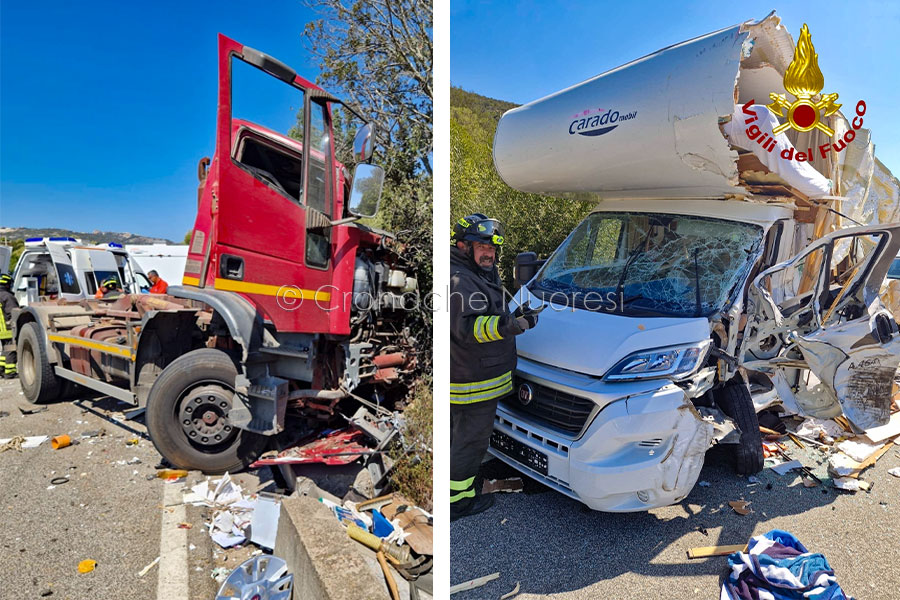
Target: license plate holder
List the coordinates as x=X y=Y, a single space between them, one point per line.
x=519 y=452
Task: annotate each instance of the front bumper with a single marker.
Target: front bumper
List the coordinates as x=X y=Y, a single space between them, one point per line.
x=643 y=447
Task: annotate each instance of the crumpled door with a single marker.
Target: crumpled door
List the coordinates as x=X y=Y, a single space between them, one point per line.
x=821 y=311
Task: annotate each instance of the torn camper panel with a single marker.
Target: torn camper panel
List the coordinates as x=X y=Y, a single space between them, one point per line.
x=838 y=328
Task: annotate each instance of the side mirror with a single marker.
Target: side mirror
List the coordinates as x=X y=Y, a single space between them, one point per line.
x=526 y=267
x=364 y=143
x=366 y=193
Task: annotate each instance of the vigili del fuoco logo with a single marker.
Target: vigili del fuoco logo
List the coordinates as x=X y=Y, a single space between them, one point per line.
x=804 y=80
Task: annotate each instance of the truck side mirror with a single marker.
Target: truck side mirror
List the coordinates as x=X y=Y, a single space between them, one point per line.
x=526 y=267
x=364 y=143
x=366 y=191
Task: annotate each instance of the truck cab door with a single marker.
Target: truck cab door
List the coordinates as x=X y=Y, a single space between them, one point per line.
x=273 y=195
x=830 y=320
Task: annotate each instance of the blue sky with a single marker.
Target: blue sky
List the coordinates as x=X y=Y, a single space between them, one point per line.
x=106 y=107
x=521 y=51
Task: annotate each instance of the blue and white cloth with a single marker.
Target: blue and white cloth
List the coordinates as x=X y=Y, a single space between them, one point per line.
x=777 y=566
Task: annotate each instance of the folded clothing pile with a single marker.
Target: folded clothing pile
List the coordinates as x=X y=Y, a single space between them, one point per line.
x=777 y=566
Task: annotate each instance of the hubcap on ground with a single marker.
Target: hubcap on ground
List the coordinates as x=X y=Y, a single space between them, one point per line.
x=203 y=415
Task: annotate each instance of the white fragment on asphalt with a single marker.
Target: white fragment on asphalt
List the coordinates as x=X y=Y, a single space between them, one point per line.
x=514 y=591
x=193 y=547
x=842 y=465
x=51 y=487
x=32 y=441
x=784 y=467
x=753 y=479
x=704 y=483
x=895 y=471
x=148 y=567
x=858 y=451
x=851 y=485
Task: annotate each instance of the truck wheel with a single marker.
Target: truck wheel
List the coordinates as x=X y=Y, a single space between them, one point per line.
x=39 y=383
x=734 y=400
x=187 y=415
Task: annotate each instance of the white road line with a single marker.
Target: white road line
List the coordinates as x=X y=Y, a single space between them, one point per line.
x=173 y=561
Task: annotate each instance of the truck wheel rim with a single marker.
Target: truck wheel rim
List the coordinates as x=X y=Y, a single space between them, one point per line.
x=203 y=414
x=27 y=361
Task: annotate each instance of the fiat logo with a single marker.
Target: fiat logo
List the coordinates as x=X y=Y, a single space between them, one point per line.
x=526 y=394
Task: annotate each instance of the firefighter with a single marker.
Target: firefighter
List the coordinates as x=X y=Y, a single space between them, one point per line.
x=109 y=289
x=8 y=303
x=482 y=354
x=159 y=284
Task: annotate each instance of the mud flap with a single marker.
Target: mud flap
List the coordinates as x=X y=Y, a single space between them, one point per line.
x=262 y=410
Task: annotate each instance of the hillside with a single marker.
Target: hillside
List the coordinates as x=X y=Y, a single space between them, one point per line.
x=532 y=222
x=11 y=234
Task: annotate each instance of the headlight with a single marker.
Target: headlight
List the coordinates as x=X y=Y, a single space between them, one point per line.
x=675 y=362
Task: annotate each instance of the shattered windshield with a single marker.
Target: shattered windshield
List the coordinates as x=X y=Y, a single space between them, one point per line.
x=650 y=264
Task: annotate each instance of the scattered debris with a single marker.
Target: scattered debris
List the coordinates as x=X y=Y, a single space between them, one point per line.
x=19 y=442
x=264 y=521
x=59 y=480
x=707 y=551
x=740 y=507
x=340 y=447
x=32 y=411
x=473 y=583
x=512 y=485
x=220 y=574
x=86 y=566
x=514 y=592
x=148 y=567
x=784 y=467
x=753 y=480
x=172 y=474
x=850 y=484
x=184 y=525
x=858 y=450
x=261 y=576
x=133 y=442
x=704 y=484
x=895 y=471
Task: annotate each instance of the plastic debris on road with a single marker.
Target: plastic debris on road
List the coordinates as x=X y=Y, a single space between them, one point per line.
x=19 y=442
x=86 y=566
x=148 y=567
x=895 y=471
x=233 y=512
x=849 y=484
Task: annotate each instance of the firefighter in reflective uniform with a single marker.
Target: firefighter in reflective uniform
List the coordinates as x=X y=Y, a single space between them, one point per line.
x=482 y=354
x=8 y=303
x=109 y=289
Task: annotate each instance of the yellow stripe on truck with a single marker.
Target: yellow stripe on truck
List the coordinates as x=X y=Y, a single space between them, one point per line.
x=288 y=291
x=86 y=343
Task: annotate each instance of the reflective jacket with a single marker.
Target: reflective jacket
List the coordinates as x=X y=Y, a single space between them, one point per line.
x=482 y=333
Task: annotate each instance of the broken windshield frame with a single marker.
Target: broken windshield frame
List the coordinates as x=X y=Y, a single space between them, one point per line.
x=650 y=264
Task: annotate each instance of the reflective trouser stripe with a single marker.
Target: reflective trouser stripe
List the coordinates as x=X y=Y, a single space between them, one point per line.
x=461 y=495
x=464 y=489
x=464 y=393
x=458 y=486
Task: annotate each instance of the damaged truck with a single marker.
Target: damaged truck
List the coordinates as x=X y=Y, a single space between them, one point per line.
x=288 y=304
x=716 y=277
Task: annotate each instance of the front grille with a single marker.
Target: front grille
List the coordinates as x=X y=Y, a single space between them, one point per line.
x=551 y=408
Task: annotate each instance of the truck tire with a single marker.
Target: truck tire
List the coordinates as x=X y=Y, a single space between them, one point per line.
x=734 y=400
x=187 y=412
x=39 y=383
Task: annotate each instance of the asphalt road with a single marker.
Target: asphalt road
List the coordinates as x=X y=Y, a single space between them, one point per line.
x=108 y=511
x=555 y=547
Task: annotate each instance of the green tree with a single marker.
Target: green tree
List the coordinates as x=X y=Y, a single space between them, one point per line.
x=187 y=236
x=532 y=222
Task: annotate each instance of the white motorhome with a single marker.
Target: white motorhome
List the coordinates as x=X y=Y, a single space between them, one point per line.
x=691 y=297
x=64 y=268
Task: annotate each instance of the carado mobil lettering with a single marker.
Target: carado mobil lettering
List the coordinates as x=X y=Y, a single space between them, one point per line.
x=598 y=124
